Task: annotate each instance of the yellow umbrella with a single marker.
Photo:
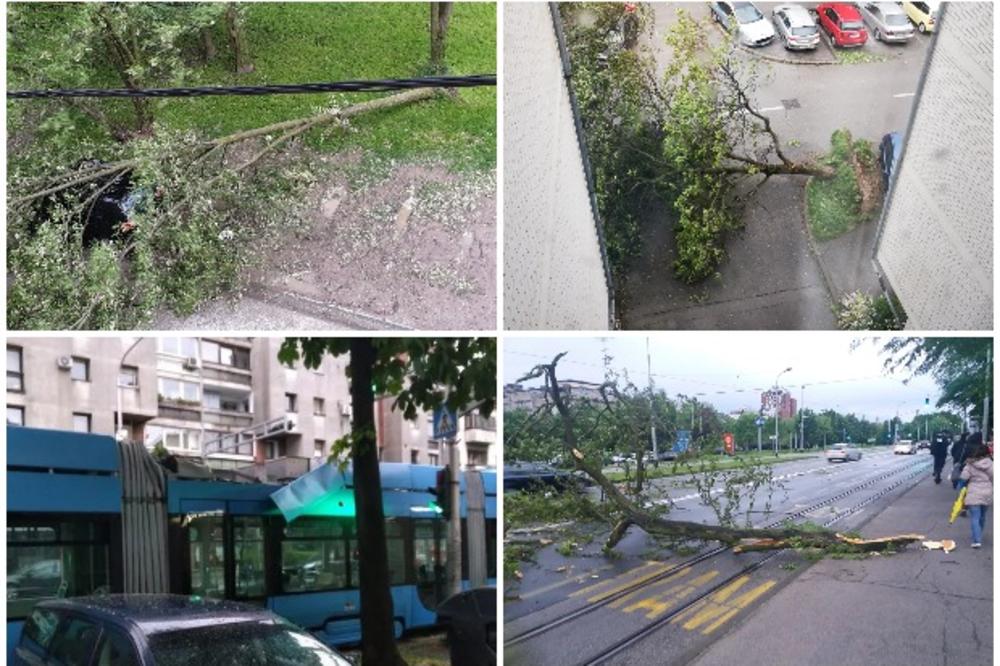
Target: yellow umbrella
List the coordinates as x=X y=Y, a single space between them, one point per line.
x=959 y=504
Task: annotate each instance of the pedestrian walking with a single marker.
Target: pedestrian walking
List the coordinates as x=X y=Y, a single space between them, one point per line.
x=939 y=449
x=978 y=475
x=959 y=450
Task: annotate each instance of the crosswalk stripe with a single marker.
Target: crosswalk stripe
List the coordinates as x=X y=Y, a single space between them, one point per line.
x=617 y=603
x=585 y=590
x=661 y=603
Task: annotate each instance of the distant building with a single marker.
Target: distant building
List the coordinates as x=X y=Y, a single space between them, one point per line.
x=934 y=248
x=786 y=407
x=400 y=440
x=517 y=397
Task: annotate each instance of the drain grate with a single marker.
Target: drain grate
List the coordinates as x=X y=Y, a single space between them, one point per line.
x=791 y=103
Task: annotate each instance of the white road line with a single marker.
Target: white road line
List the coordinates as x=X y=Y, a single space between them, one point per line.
x=770 y=108
x=905 y=95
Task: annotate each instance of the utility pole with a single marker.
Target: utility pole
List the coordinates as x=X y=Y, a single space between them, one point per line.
x=454 y=522
x=802 y=419
x=652 y=418
x=986 y=401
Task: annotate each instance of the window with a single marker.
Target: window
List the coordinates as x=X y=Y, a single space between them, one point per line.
x=319 y=407
x=187 y=347
x=276 y=450
x=74 y=642
x=235 y=357
x=81 y=422
x=116 y=650
x=432 y=459
x=248 y=547
x=128 y=376
x=54 y=558
x=396 y=547
x=206 y=548
x=80 y=370
x=15 y=369
x=290 y=402
x=41 y=627
x=314 y=555
x=414 y=457
x=212 y=400
x=175 y=389
x=319 y=447
x=15 y=415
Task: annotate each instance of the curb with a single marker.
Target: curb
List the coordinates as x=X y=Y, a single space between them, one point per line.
x=786 y=61
x=814 y=249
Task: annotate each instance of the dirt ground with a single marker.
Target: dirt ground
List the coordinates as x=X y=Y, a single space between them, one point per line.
x=385 y=245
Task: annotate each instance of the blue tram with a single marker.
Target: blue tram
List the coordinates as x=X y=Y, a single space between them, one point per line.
x=86 y=515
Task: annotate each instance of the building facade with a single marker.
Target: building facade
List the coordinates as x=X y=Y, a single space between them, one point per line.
x=935 y=240
x=786 y=404
x=400 y=440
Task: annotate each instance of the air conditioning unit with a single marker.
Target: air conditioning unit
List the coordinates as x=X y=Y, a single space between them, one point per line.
x=64 y=362
x=345 y=409
x=191 y=363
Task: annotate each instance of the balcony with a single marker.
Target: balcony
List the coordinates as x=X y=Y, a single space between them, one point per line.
x=479 y=430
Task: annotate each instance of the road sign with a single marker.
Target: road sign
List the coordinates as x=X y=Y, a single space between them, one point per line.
x=445 y=423
x=683 y=441
x=759 y=421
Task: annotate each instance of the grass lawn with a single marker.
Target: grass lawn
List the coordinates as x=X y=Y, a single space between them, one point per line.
x=319 y=42
x=719 y=463
x=311 y=42
x=834 y=204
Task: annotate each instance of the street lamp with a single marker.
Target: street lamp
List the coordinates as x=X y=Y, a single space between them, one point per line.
x=120 y=426
x=776 y=409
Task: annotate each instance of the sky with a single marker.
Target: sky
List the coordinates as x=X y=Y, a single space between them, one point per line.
x=730 y=368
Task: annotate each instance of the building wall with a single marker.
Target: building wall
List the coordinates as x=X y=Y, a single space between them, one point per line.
x=400 y=440
x=935 y=243
x=50 y=396
x=554 y=276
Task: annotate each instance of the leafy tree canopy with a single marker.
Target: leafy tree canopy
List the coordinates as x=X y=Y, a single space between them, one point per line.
x=962 y=367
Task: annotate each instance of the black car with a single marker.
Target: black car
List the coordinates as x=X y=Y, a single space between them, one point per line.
x=165 y=630
x=527 y=475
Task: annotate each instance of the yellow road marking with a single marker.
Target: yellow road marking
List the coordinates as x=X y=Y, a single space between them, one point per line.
x=575 y=578
x=590 y=588
x=617 y=603
x=635 y=581
x=659 y=604
x=741 y=603
x=718 y=609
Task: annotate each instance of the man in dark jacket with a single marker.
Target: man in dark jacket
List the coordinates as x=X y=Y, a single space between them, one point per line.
x=939 y=449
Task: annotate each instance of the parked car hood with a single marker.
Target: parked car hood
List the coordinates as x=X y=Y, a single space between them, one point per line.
x=757 y=30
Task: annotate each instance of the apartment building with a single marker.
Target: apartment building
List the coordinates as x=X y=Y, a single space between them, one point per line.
x=400 y=440
x=227 y=400
x=516 y=396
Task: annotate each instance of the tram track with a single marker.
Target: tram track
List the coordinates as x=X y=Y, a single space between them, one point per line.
x=609 y=599
x=619 y=646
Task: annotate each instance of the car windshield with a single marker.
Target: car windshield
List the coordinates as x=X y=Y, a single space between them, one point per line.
x=850 y=25
x=805 y=30
x=241 y=644
x=746 y=13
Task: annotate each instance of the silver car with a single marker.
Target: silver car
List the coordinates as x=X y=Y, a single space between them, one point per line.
x=843 y=452
x=796 y=27
x=743 y=17
x=886 y=20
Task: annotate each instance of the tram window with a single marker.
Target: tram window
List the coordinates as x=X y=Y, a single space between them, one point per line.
x=491 y=548
x=49 y=559
x=314 y=556
x=205 y=542
x=429 y=552
x=248 y=545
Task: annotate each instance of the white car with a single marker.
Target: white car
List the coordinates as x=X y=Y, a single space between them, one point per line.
x=905 y=447
x=751 y=25
x=843 y=452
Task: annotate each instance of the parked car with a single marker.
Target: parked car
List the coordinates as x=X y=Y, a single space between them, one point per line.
x=842 y=23
x=743 y=17
x=923 y=14
x=889 y=150
x=165 y=630
x=843 y=452
x=886 y=21
x=526 y=475
x=923 y=444
x=796 y=27
x=905 y=447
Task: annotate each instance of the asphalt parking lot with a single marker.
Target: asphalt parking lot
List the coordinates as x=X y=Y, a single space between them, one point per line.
x=771 y=280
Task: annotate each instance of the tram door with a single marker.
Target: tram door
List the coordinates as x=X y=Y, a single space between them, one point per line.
x=207 y=556
x=430 y=559
x=226 y=556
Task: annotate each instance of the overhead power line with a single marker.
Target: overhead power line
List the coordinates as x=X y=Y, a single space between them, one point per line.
x=380 y=85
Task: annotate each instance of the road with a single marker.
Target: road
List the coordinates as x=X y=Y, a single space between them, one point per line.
x=771 y=280
x=654 y=607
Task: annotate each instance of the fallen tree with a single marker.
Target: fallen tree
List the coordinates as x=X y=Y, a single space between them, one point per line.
x=213 y=208
x=630 y=513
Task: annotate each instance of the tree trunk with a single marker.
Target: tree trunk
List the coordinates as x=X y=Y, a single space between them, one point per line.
x=440 y=16
x=124 y=59
x=378 y=643
x=237 y=40
x=208 y=50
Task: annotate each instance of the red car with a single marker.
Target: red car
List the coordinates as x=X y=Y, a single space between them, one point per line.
x=842 y=23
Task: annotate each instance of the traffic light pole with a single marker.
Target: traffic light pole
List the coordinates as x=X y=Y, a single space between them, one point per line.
x=454 y=523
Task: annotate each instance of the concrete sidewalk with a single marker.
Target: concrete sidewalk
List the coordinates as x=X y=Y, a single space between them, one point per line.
x=916 y=608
